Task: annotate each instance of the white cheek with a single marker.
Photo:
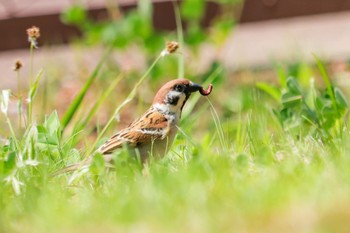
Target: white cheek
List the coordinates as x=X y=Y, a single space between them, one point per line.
x=172 y=108
x=174 y=94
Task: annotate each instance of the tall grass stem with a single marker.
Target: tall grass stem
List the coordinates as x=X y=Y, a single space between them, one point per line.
x=180 y=38
x=99 y=102
x=19 y=104
x=12 y=132
x=76 y=103
x=30 y=105
x=218 y=126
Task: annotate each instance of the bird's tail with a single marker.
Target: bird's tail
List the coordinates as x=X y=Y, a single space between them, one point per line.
x=83 y=164
x=73 y=167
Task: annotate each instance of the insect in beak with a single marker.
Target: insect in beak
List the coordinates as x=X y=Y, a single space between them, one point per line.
x=193 y=87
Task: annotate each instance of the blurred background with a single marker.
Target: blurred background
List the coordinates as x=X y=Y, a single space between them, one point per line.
x=242 y=33
x=272 y=26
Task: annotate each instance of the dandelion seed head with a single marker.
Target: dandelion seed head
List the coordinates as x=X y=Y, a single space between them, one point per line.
x=17 y=66
x=33 y=34
x=172 y=46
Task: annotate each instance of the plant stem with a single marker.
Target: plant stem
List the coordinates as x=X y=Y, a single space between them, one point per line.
x=30 y=106
x=12 y=132
x=180 y=39
x=31 y=50
x=18 y=85
x=99 y=102
x=19 y=103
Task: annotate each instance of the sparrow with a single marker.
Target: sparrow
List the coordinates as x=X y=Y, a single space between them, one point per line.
x=153 y=133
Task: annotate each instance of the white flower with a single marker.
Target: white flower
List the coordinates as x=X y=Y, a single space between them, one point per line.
x=32 y=162
x=279 y=156
x=5 y=99
x=16 y=184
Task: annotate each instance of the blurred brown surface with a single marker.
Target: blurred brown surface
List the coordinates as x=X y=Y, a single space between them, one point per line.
x=17 y=16
x=258 y=10
x=288 y=40
x=27 y=8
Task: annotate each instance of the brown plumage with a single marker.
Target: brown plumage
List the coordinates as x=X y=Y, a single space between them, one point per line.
x=133 y=135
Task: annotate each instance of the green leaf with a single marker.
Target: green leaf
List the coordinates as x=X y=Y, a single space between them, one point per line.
x=221 y=30
x=75 y=15
x=327 y=81
x=195 y=34
x=291 y=100
x=97 y=165
x=192 y=9
x=53 y=123
x=282 y=78
x=293 y=86
x=340 y=98
x=10 y=162
x=49 y=134
x=304 y=74
x=329 y=116
x=242 y=160
x=311 y=95
x=274 y=92
x=34 y=87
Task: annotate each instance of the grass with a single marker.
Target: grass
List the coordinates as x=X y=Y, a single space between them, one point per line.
x=237 y=165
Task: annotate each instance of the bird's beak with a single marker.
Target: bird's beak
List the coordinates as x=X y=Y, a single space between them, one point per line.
x=196 y=87
x=193 y=87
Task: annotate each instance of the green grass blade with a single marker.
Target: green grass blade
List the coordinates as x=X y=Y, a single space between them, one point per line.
x=282 y=78
x=218 y=126
x=74 y=106
x=32 y=93
x=98 y=103
x=327 y=81
x=274 y=92
x=34 y=87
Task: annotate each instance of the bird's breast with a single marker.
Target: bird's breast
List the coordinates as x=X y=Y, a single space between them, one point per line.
x=159 y=147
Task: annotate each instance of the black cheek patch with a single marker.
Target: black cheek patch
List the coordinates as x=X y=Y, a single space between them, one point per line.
x=173 y=100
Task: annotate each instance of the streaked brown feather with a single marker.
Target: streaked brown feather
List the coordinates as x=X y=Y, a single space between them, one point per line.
x=151 y=126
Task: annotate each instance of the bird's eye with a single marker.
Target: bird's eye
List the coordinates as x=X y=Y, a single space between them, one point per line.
x=179 y=88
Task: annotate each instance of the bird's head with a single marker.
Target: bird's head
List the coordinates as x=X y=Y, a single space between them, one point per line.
x=174 y=94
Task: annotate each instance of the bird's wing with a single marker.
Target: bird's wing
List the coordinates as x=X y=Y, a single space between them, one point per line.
x=152 y=125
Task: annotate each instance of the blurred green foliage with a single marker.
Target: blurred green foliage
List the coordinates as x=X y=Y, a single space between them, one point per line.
x=324 y=112
x=136 y=25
